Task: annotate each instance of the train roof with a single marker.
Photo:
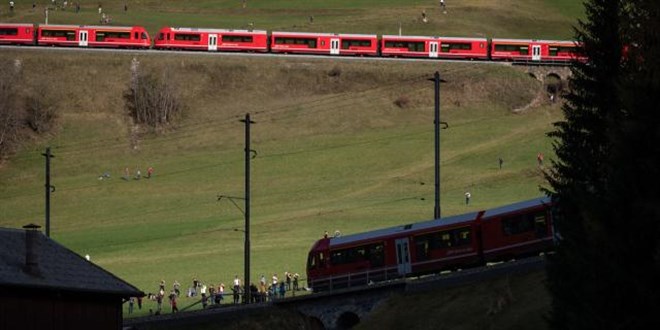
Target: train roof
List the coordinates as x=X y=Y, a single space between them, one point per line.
x=533 y=40
x=321 y=34
x=191 y=29
x=515 y=207
x=16 y=24
x=457 y=219
x=391 y=36
x=449 y=221
x=97 y=27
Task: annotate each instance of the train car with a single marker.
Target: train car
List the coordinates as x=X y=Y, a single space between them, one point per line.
x=460 y=241
x=518 y=50
x=324 y=43
x=93 y=36
x=16 y=34
x=434 y=47
x=212 y=40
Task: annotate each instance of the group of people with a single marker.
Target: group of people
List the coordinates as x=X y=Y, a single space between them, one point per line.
x=210 y=294
x=138 y=173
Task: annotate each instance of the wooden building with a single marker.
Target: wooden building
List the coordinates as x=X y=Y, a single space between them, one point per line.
x=44 y=285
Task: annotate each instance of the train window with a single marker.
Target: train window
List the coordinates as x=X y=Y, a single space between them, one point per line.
x=552 y=51
x=372 y=253
x=236 y=38
x=68 y=34
x=161 y=36
x=187 y=37
x=518 y=224
x=410 y=45
x=376 y=254
x=522 y=49
x=136 y=35
x=462 y=236
x=442 y=240
x=102 y=35
x=310 y=42
x=144 y=36
x=446 y=47
x=422 y=247
x=311 y=262
x=9 y=31
x=348 y=43
x=540 y=225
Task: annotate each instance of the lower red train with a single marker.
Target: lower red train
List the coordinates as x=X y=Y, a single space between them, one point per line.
x=218 y=40
x=511 y=231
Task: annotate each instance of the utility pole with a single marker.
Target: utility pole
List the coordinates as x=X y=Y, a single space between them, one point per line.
x=436 y=80
x=246 y=280
x=49 y=189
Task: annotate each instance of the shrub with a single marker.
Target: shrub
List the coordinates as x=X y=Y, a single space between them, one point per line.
x=402 y=101
x=152 y=101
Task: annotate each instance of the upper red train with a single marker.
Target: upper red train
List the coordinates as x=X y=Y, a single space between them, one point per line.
x=218 y=40
x=75 y=35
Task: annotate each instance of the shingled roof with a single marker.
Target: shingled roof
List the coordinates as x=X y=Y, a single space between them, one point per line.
x=57 y=268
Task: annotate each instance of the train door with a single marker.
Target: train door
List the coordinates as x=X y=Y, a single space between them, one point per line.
x=334 y=46
x=82 y=38
x=433 y=49
x=213 y=42
x=536 y=52
x=403 y=256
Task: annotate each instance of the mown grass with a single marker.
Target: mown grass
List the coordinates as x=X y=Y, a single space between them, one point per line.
x=334 y=151
x=539 y=19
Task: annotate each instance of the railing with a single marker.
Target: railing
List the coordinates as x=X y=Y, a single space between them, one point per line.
x=343 y=281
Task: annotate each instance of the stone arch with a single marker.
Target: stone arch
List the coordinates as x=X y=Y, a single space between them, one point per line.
x=553 y=84
x=347 y=320
x=313 y=322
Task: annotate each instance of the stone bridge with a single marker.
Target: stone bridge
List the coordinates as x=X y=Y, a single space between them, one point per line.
x=345 y=308
x=340 y=309
x=547 y=74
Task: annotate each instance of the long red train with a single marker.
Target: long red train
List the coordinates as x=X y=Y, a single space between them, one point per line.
x=221 y=40
x=502 y=233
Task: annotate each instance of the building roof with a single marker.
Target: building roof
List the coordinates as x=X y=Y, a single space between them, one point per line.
x=59 y=268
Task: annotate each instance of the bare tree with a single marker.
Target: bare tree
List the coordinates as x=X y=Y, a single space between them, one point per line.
x=152 y=101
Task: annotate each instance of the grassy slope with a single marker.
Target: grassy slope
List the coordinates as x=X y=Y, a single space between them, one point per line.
x=492 y=18
x=334 y=152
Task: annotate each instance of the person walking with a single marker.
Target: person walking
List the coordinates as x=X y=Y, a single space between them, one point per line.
x=467 y=197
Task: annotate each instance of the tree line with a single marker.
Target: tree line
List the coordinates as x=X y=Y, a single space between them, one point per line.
x=605 y=273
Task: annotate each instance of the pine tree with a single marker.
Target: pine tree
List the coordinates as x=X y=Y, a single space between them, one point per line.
x=605 y=272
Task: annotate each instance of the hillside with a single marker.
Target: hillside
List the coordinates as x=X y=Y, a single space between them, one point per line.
x=335 y=151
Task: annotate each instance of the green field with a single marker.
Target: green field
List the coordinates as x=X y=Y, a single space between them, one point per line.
x=538 y=19
x=334 y=151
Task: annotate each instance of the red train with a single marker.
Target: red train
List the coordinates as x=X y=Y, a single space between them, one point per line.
x=533 y=50
x=471 y=239
x=16 y=34
x=212 y=40
x=92 y=36
x=215 y=40
x=434 y=47
x=324 y=43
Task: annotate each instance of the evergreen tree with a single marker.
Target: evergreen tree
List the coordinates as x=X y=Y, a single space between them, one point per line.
x=605 y=272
